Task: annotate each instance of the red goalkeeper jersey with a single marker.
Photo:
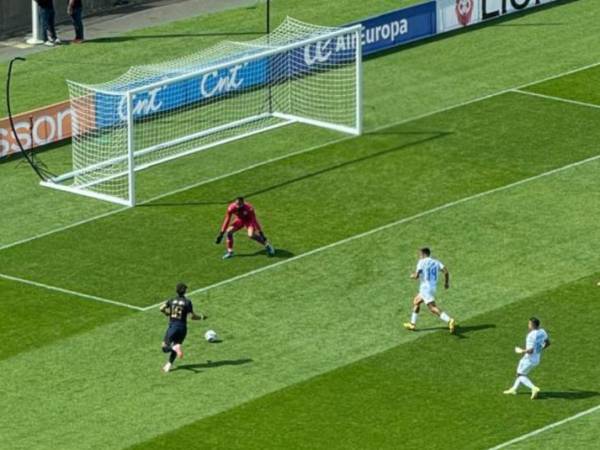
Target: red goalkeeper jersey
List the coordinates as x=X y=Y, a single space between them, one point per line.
x=245 y=216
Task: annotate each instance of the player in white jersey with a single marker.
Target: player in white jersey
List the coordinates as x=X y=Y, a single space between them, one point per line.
x=427 y=272
x=537 y=340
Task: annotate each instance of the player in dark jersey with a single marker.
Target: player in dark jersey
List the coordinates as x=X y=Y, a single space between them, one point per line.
x=245 y=218
x=177 y=310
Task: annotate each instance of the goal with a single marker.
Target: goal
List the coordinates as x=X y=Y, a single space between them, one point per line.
x=300 y=73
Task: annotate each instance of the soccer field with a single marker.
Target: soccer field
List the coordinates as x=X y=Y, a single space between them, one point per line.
x=484 y=145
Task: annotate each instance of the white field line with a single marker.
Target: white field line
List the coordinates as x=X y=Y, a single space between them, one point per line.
x=69 y=292
x=290 y=155
x=546 y=428
x=557 y=99
x=389 y=225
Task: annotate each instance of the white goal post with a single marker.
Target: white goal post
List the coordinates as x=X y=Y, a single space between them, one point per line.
x=300 y=73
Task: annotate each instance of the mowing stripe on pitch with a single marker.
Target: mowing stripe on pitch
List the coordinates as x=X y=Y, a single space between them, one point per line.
x=69 y=292
x=299 y=152
x=390 y=225
x=556 y=99
x=546 y=428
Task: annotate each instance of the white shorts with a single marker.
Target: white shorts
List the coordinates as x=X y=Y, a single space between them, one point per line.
x=525 y=365
x=427 y=294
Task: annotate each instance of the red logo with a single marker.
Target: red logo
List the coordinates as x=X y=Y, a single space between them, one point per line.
x=464 y=11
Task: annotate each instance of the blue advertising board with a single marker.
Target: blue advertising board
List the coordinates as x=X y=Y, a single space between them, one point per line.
x=174 y=95
x=398 y=27
x=379 y=33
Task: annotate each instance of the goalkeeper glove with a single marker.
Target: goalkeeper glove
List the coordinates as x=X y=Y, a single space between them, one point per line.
x=219 y=238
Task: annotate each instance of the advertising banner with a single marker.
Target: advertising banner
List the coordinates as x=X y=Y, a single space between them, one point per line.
x=398 y=27
x=454 y=14
x=175 y=95
x=491 y=9
x=36 y=128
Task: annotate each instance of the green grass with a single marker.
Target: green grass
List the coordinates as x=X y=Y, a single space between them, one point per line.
x=313 y=353
x=56 y=317
x=445 y=391
x=458 y=164
x=582 y=433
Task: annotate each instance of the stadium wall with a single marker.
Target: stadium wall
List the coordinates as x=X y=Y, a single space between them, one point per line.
x=15 y=15
x=380 y=33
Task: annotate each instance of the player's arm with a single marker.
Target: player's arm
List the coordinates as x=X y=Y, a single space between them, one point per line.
x=194 y=316
x=165 y=308
x=224 y=226
x=547 y=343
x=521 y=351
x=446 y=273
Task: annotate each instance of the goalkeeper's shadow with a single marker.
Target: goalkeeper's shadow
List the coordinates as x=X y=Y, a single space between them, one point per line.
x=279 y=254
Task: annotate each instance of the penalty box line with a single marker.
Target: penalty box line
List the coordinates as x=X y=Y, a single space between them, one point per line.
x=299 y=152
x=70 y=292
x=546 y=428
x=557 y=99
x=389 y=225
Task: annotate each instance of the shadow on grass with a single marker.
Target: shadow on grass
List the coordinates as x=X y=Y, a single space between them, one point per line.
x=279 y=253
x=197 y=368
x=461 y=332
x=117 y=39
x=428 y=137
x=193 y=203
x=567 y=395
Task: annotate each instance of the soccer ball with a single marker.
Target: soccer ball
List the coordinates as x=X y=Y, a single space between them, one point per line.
x=210 y=336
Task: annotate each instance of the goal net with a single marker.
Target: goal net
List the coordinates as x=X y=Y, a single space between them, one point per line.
x=300 y=73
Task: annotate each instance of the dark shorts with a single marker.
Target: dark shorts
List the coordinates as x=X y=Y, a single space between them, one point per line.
x=175 y=334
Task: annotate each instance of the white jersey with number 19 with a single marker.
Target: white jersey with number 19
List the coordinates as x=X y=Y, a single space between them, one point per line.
x=428 y=270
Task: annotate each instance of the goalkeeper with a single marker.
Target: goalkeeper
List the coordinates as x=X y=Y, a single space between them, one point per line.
x=245 y=218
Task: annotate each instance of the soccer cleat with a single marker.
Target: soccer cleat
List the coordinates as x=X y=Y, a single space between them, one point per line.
x=510 y=391
x=177 y=349
x=228 y=255
x=452 y=325
x=167 y=367
x=410 y=326
x=535 y=392
x=270 y=250
x=49 y=44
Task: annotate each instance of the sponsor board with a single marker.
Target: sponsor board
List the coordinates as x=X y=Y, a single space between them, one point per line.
x=398 y=27
x=491 y=9
x=454 y=14
x=36 y=128
x=173 y=95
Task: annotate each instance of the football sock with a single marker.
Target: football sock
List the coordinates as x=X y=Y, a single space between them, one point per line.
x=526 y=381
x=167 y=349
x=258 y=238
x=229 y=243
x=172 y=357
x=517 y=383
x=413 y=318
x=445 y=317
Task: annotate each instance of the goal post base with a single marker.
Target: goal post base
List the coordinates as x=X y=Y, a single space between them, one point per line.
x=87 y=193
x=318 y=123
